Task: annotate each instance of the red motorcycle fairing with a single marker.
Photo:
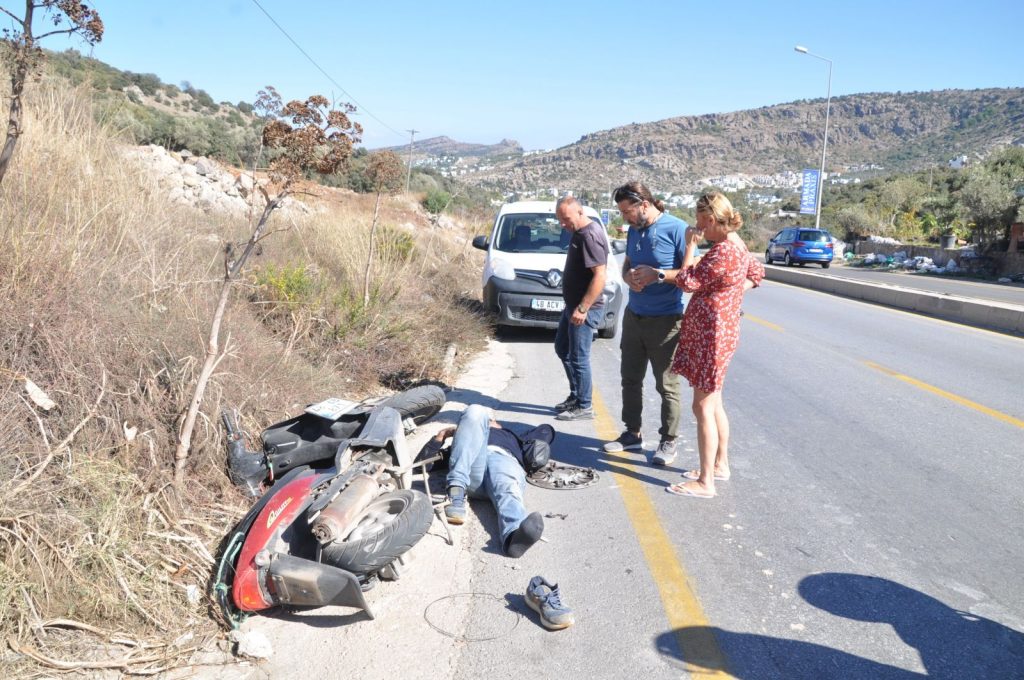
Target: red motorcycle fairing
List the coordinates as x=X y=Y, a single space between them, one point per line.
x=250 y=590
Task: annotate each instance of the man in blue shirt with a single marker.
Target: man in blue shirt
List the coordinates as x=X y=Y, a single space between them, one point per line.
x=650 y=326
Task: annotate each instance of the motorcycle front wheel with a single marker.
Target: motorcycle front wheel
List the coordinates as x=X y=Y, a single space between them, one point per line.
x=385 y=529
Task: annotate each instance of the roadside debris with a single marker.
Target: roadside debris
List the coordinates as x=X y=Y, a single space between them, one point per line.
x=253 y=644
x=559 y=476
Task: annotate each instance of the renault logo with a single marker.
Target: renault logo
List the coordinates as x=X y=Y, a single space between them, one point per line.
x=554 y=278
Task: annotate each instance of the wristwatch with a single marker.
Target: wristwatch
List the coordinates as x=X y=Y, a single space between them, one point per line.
x=579 y=308
x=661 y=275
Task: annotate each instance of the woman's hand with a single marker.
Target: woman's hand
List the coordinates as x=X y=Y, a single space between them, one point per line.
x=693 y=236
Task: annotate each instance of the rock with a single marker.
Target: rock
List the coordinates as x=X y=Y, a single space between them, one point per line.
x=185 y=154
x=190 y=180
x=204 y=166
x=253 y=644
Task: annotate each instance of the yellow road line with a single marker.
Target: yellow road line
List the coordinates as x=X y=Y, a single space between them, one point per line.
x=762 y=322
x=948 y=395
x=685 y=615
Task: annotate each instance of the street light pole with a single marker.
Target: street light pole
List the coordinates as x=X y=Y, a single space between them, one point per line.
x=824 y=145
x=408 y=173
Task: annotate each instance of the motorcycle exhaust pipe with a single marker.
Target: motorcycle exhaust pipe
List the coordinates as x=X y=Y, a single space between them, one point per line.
x=335 y=521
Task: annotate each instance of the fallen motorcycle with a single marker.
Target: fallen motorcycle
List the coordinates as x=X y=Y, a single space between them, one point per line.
x=339 y=514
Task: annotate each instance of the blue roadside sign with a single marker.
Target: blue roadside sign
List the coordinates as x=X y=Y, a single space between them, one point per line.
x=809 y=192
x=605 y=216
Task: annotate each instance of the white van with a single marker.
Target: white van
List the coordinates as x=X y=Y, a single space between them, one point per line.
x=523 y=272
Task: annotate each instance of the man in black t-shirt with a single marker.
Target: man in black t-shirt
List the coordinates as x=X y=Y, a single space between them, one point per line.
x=488 y=460
x=586 y=264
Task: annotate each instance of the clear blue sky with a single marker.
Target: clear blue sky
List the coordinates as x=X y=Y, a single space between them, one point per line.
x=545 y=73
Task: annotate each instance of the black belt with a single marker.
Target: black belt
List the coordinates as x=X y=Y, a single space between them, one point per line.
x=651 y=316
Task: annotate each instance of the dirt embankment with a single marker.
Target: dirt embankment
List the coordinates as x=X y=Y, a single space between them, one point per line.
x=109 y=283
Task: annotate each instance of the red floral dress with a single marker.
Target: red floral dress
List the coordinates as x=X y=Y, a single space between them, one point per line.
x=711 y=322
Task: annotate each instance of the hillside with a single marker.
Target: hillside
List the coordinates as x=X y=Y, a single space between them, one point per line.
x=446 y=146
x=901 y=132
x=113 y=259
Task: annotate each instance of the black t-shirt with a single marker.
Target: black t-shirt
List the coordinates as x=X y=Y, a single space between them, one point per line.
x=588 y=248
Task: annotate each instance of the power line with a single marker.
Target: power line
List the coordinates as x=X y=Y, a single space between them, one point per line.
x=326 y=74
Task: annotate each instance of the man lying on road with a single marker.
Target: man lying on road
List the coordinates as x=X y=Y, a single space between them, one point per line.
x=490 y=461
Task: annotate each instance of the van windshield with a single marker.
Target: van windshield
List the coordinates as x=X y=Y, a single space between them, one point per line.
x=814 y=236
x=531 y=233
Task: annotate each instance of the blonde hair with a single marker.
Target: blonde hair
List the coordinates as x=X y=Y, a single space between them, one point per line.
x=721 y=210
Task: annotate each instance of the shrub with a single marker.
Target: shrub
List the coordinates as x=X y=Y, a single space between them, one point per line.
x=436 y=201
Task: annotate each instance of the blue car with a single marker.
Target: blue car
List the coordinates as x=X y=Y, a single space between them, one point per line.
x=800 y=245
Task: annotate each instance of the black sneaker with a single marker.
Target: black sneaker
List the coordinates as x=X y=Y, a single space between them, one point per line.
x=627 y=441
x=528 y=533
x=569 y=402
x=576 y=413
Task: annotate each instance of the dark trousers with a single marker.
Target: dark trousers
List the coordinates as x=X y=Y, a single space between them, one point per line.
x=650 y=340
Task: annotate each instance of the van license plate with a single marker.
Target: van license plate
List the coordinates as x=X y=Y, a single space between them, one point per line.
x=547 y=305
x=814 y=250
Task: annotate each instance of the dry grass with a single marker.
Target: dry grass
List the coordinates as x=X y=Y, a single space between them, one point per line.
x=107 y=293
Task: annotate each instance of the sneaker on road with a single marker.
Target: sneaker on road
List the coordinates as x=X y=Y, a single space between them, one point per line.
x=455 y=511
x=565 y=405
x=576 y=413
x=627 y=441
x=666 y=452
x=544 y=598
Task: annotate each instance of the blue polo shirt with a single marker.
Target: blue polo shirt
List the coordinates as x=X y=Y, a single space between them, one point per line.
x=661 y=246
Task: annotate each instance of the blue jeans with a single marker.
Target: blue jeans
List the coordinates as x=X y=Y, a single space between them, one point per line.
x=483 y=472
x=572 y=345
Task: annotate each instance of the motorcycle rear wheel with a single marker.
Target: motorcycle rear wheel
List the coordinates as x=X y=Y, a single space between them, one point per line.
x=419 y=403
x=385 y=529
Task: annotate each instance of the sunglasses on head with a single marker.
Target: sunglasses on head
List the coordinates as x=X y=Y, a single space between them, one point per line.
x=628 y=193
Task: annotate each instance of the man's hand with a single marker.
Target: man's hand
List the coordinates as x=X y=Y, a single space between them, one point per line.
x=578 y=317
x=644 y=275
x=444 y=434
x=632 y=282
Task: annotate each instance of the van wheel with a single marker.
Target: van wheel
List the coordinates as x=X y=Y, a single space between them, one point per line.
x=608 y=333
x=824 y=265
x=767 y=257
x=788 y=260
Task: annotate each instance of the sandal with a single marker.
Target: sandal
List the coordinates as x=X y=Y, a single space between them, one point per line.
x=694 y=475
x=680 y=489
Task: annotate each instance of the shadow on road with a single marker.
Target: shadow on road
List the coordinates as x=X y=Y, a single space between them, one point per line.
x=951 y=643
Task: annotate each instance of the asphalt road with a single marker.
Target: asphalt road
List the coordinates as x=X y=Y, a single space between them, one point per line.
x=983 y=290
x=872 y=527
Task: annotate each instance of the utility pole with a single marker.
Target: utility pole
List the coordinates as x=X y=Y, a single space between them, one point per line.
x=408 y=174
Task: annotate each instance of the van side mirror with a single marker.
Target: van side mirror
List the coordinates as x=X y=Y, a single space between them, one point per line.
x=481 y=242
x=618 y=246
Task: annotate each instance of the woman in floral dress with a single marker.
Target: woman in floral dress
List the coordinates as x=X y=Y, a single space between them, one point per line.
x=711 y=332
